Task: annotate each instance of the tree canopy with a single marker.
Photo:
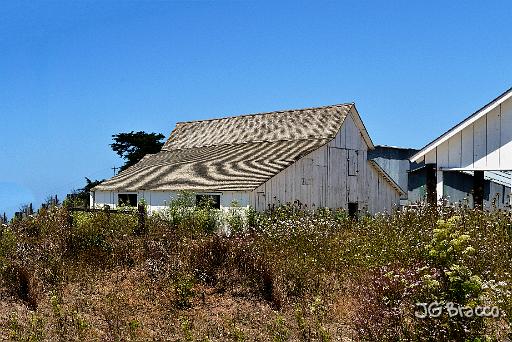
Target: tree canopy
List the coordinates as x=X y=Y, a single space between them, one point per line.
x=133 y=146
x=80 y=197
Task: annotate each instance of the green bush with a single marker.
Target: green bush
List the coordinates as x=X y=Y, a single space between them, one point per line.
x=184 y=291
x=236 y=219
x=191 y=219
x=7 y=243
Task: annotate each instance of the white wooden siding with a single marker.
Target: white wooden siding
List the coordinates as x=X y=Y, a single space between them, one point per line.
x=480 y=144
x=322 y=178
x=467 y=147
x=485 y=144
x=506 y=135
x=159 y=200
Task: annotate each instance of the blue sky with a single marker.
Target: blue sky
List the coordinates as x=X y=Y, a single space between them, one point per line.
x=73 y=73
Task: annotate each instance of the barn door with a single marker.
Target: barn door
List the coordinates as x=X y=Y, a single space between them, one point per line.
x=353 y=179
x=260 y=201
x=353 y=165
x=337 y=178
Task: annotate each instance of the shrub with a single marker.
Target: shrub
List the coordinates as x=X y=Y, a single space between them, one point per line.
x=7 y=243
x=442 y=276
x=191 y=219
x=235 y=219
x=89 y=234
x=184 y=291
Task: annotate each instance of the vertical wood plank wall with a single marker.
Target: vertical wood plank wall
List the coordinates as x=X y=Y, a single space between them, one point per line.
x=484 y=145
x=322 y=178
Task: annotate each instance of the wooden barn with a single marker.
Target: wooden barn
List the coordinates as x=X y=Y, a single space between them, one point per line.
x=315 y=156
x=473 y=159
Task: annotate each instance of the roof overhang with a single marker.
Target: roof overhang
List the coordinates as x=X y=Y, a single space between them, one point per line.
x=467 y=122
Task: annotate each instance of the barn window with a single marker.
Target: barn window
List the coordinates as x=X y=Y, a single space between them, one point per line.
x=129 y=200
x=208 y=200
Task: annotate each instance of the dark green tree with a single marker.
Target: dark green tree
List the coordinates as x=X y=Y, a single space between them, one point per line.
x=80 y=197
x=133 y=146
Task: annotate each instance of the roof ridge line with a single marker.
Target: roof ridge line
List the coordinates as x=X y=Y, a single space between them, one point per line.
x=267 y=113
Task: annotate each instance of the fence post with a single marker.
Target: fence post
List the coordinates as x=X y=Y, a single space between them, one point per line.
x=70 y=217
x=141 y=209
x=106 y=208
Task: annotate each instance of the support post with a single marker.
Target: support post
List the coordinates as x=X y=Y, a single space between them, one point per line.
x=92 y=200
x=478 y=189
x=439 y=186
x=70 y=217
x=106 y=209
x=431 y=184
x=141 y=209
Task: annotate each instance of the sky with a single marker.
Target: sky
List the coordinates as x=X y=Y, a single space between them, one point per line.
x=73 y=73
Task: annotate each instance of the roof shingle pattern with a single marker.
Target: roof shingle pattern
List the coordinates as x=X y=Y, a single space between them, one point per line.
x=236 y=153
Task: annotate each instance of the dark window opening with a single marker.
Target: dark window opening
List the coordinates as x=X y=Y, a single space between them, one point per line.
x=212 y=201
x=353 y=208
x=127 y=199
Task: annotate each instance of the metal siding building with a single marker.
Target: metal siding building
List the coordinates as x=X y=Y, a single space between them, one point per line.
x=395 y=161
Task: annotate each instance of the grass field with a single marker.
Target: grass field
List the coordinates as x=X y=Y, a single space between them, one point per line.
x=283 y=275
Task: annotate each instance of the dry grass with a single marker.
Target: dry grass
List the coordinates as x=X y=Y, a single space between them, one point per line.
x=289 y=275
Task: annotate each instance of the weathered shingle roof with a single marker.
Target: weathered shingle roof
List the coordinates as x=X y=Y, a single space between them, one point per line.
x=235 y=153
x=303 y=124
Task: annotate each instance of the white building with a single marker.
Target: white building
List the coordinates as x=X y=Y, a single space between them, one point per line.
x=480 y=146
x=315 y=156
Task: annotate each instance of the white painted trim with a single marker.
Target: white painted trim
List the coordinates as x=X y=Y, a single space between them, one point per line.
x=472 y=169
x=470 y=120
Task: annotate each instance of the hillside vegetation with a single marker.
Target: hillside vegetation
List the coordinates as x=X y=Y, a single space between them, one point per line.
x=283 y=275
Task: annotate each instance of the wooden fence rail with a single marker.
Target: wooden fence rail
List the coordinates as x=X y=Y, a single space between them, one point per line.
x=140 y=213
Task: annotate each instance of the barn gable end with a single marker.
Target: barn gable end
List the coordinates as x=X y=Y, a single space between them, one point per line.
x=333 y=176
x=479 y=146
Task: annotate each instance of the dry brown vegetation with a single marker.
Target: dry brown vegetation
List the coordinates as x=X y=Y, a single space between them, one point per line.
x=284 y=275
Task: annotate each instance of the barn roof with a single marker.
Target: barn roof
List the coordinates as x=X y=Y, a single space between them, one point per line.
x=234 y=153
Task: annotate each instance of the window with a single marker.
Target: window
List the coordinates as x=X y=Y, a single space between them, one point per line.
x=127 y=200
x=211 y=200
